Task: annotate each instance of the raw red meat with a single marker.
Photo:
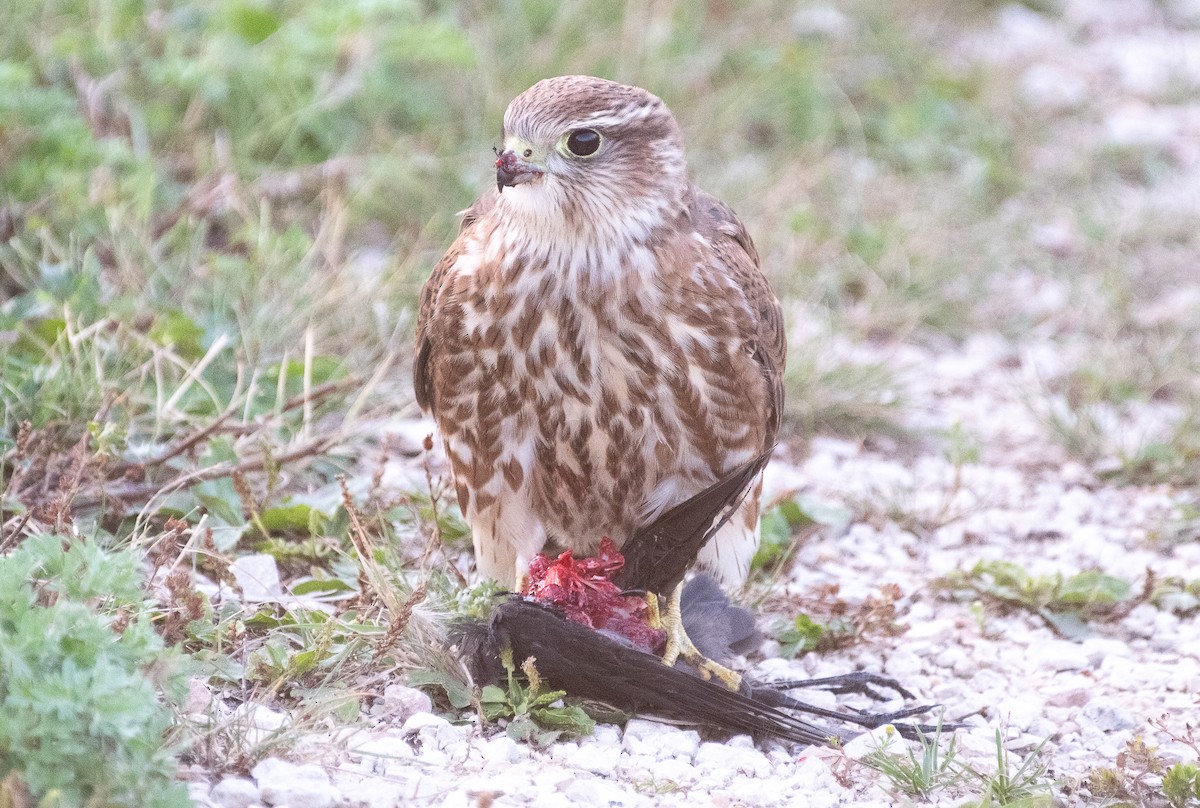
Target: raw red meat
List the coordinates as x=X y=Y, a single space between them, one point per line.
x=583 y=590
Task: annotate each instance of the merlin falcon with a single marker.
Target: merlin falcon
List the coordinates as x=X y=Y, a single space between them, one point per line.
x=599 y=344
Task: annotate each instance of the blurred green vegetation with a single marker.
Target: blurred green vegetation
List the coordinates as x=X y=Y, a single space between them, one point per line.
x=261 y=179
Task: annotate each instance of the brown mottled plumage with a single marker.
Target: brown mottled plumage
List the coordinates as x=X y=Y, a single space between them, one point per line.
x=599 y=343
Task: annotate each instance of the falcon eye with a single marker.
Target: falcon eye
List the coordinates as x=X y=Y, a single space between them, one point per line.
x=583 y=142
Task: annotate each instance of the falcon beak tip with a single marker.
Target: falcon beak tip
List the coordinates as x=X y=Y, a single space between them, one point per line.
x=511 y=170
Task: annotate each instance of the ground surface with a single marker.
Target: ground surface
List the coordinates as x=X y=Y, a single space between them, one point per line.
x=995 y=486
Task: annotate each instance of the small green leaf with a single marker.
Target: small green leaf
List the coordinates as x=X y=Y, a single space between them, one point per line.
x=776 y=538
x=38 y=336
x=569 y=718
x=804 y=635
x=795 y=516
x=322 y=585
x=173 y=328
x=219 y=450
x=349 y=709
x=493 y=695
x=207 y=663
x=253 y=22
x=265 y=619
x=1093 y=587
x=456 y=692
x=324 y=369
x=220 y=500
x=780 y=523
x=224 y=508
x=294 y=518
x=304 y=661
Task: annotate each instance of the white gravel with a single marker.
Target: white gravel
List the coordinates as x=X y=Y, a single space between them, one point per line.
x=1025 y=502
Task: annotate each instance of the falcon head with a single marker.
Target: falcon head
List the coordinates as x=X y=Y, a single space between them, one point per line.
x=585 y=153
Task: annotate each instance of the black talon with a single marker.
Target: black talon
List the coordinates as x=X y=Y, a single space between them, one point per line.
x=879 y=719
x=913 y=732
x=770 y=695
x=857 y=682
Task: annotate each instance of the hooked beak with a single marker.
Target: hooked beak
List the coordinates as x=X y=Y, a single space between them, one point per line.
x=511 y=170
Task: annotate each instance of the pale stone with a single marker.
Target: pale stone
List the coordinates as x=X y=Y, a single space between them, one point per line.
x=235 y=792
x=283 y=783
x=258 y=577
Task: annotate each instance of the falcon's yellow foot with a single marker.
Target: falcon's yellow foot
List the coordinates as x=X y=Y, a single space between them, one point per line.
x=680 y=645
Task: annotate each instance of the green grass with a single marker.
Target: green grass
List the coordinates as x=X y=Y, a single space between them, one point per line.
x=933 y=764
x=1015 y=783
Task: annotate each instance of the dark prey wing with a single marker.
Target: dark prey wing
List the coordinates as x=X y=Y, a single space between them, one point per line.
x=658 y=555
x=589 y=665
x=717 y=628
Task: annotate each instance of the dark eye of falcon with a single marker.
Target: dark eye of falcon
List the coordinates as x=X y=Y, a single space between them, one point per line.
x=583 y=142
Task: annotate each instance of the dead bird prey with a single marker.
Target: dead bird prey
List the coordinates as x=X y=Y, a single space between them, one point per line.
x=595 y=641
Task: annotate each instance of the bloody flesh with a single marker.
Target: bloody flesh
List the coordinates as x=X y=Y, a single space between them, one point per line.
x=582 y=589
